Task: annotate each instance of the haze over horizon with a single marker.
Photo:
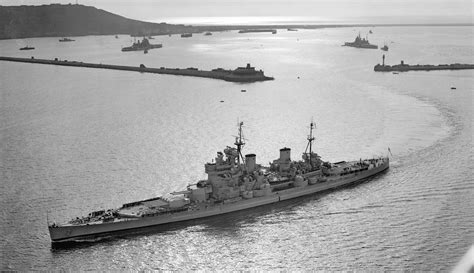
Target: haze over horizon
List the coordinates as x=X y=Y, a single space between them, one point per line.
x=281 y=11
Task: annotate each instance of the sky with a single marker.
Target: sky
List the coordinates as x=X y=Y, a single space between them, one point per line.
x=322 y=11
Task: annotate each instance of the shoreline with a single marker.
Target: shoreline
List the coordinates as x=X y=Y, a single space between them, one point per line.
x=222 y=28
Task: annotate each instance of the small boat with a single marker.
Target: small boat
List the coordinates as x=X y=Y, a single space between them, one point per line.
x=453 y=88
x=66 y=40
x=145 y=51
x=243 y=90
x=116 y=36
x=370 y=31
x=186 y=35
x=27 y=48
x=208 y=33
x=150 y=38
x=384 y=48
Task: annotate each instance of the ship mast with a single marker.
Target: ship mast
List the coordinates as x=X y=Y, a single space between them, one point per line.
x=239 y=143
x=310 y=142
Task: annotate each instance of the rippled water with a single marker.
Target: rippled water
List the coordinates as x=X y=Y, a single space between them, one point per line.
x=75 y=140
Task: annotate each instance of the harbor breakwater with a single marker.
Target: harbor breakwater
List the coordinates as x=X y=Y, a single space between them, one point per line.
x=240 y=74
x=402 y=67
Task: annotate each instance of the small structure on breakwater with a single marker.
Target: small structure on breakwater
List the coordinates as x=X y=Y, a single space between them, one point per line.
x=240 y=74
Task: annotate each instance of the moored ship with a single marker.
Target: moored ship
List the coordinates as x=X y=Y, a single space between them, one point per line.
x=141 y=45
x=361 y=43
x=66 y=40
x=27 y=48
x=234 y=183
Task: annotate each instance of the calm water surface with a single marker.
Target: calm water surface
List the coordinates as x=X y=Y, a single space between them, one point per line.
x=74 y=140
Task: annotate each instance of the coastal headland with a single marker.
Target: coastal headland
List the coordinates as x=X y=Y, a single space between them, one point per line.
x=56 y=20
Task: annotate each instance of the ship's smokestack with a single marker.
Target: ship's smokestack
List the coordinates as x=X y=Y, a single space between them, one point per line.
x=285 y=154
x=284 y=160
x=250 y=162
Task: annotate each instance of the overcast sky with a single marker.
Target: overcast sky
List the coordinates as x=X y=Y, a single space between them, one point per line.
x=391 y=11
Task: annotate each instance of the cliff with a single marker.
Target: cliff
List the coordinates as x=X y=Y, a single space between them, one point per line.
x=74 y=20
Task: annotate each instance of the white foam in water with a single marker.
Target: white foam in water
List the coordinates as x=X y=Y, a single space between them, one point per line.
x=410 y=123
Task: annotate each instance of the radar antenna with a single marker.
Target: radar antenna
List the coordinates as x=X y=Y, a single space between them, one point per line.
x=239 y=142
x=310 y=139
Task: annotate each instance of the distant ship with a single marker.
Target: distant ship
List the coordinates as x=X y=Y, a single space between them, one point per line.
x=66 y=40
x=27 y=48
x=234 y=183
x=291 y=29
x=273 y=31
x=143 y=45
x=186 y=35
x=361 y=43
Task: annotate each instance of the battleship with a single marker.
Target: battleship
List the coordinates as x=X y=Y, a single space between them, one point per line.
x=143 y=45
x=361 y=43
x=233 y=183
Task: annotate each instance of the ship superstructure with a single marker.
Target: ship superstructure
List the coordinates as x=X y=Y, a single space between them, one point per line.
x=234 y=182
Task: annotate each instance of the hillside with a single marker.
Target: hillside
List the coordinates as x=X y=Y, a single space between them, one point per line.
x=74 y=20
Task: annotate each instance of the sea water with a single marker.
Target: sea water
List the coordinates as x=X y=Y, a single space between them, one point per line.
x=74 y=140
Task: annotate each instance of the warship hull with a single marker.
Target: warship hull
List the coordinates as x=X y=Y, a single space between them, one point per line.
x=77 y=233
x=367 y=46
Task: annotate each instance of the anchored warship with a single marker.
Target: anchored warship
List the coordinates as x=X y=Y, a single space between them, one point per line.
x=361 y=43
x=66 y=40
x=234 y=183
x=143 y=45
